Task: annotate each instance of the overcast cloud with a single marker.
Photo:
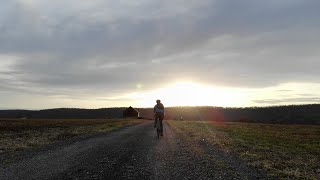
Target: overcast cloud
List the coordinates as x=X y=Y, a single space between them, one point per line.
x=71 y=49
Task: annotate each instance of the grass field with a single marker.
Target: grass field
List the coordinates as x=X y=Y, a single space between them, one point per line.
x=284 y=151
x=23 y=134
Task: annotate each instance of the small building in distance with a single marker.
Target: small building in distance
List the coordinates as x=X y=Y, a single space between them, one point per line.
x=131 y=112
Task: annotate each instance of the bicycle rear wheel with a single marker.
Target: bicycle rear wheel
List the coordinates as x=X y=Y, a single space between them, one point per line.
x=158 y=128
x=158 y=134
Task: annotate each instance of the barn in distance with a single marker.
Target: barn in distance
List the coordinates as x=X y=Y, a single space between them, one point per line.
x=131 y=113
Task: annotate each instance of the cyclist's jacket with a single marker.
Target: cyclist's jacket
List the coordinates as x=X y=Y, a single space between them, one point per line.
x=158 y=108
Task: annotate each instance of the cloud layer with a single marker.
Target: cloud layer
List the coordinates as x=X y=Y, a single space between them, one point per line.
x=72 y=48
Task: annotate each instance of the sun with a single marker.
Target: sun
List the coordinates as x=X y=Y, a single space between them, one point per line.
x=193 y=94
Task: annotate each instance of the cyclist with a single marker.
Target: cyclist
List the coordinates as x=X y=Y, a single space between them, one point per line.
x=158 y=111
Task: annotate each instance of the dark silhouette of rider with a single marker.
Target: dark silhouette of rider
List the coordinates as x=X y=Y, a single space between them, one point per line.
x=158 y=111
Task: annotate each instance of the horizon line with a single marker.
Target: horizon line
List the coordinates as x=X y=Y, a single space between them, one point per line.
x=21 y=109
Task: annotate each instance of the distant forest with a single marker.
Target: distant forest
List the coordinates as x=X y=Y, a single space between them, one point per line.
x=293 y=114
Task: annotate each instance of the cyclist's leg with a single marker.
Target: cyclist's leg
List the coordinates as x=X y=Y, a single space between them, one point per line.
x=161 y=117
x=155 y=119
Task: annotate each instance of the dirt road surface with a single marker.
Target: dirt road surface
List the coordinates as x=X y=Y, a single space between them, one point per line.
x=130 y=153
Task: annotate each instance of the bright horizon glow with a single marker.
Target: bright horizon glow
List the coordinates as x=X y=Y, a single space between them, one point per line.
x=180 y=93
x=193 y=94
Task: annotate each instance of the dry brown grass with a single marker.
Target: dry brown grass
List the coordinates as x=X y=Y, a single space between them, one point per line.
x=284 y=151
x=18 y=134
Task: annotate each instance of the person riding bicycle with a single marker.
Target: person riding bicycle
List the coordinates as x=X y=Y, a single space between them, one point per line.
x=158 y=111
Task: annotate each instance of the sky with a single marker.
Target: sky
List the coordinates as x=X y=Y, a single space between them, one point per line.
x=106 y=53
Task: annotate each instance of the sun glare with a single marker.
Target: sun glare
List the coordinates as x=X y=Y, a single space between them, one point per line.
x=192 y=94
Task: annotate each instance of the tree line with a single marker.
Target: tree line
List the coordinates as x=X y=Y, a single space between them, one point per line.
x=292 y=114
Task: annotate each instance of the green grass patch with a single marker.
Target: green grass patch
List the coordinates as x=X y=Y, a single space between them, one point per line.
x=284 y=151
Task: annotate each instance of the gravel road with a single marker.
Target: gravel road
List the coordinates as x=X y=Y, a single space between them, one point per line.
x=130 y=153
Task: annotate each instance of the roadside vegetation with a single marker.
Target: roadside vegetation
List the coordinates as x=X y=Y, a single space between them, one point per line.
x=16 y=134
x=283 y=151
